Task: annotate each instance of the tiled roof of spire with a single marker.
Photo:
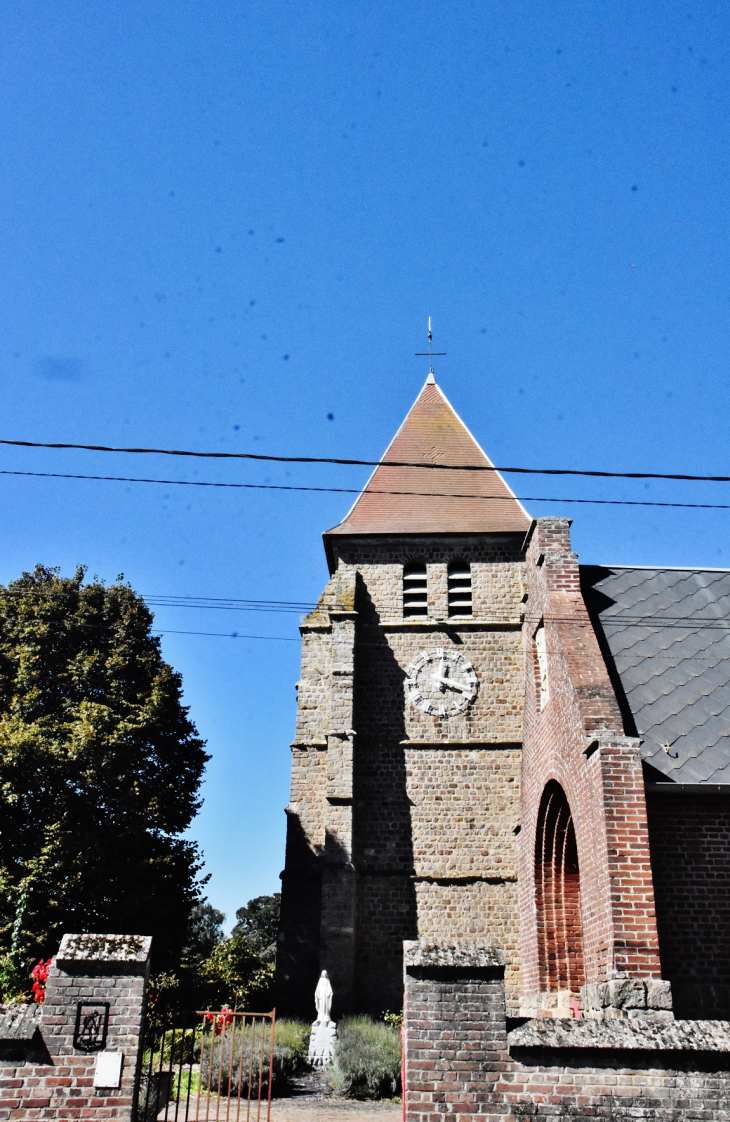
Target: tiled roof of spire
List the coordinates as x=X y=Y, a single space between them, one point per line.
x=434 y=433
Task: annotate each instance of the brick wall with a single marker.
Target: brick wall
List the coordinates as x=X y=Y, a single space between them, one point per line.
x=433 y=802
x=574 y=736
x=107 y=968
x=690 y=856
x=455 y=1032
x=461 y=1064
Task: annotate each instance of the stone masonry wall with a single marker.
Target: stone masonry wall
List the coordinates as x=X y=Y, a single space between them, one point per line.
x=574 y=735
x=436 y=798
x=111 y=968
x=690 y=857
x=435 y=801
x=462 y=1065
x=318 y=890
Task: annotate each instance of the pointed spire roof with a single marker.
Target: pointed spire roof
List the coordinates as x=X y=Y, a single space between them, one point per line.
x=432 y=504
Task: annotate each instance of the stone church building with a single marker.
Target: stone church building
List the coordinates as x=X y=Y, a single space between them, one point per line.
x=498 y=747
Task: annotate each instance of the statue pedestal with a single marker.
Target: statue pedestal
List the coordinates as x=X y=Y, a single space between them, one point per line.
x=322 y=1043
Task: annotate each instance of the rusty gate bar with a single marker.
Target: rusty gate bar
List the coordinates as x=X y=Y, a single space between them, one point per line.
x=225 y=1034
x=205 y=1066
x=167 y=1066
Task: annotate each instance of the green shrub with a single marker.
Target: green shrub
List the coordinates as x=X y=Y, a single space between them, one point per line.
x=367 y=1059
x=290 y=1053
x=234 y=1062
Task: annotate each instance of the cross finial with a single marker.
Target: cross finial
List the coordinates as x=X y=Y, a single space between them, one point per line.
x=430 y=352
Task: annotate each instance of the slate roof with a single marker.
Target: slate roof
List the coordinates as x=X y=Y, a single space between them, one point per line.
x=434 y=433
x=666 y=634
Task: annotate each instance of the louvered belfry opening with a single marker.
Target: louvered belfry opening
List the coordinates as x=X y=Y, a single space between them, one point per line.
x=459 y=583
x=557 y=886
x=415 y=589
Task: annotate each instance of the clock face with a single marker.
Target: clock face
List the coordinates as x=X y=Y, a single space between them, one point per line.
x=441 y=682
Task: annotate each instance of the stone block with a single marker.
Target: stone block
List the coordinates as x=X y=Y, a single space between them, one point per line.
x=594 y=996
x=459 y=953
x=322 y=1043
x=658 y=994
x=129 y=950
x=626 y=993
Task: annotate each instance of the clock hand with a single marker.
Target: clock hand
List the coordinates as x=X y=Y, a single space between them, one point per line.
x=454 y=685
x=439 y=676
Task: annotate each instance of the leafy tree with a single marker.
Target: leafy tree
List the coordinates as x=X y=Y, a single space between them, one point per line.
x=100 y=768
x=258 y=924
x=217 y=970
x=205 y=929
x=235 y=975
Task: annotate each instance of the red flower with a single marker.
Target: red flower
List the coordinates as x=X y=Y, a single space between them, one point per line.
x=225 y=1017
x=39 y=973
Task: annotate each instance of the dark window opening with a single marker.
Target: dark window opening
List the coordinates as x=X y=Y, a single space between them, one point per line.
x=415 y=590
x=459 y=584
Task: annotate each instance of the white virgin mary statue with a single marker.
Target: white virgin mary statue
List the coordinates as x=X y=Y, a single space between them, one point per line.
x=323 y=998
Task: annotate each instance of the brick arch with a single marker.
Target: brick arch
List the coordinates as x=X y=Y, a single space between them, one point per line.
x=557 y=893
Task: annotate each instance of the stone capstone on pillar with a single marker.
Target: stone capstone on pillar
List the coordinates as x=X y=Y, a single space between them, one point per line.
x=454 y=953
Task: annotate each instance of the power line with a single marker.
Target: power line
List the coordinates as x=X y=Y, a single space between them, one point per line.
x=232 y=603
x=166 y=600
x=204 y=603
x=230 y=635
x=371 y=491
x=226 y=600
x=364 y=463
x=683 y=623
x=707 y=623
x=154 y=630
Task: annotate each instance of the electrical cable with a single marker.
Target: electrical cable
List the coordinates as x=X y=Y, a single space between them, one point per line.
x=153 y=630
x=163 y=597
x=364 y=463
x=153 y=602
x=210 y=602
x=230 y=635
x=703 y=623
x=369 y=491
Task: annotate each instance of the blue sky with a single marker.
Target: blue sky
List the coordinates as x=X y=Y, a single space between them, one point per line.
x=222 y=222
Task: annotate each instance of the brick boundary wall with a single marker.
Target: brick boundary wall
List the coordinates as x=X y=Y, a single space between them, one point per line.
x=462 y=1065
x=42 y=1074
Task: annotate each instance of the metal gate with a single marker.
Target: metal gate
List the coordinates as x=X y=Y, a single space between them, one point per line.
x=210 y=1066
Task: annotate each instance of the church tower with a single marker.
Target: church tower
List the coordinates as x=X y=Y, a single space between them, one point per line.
x=406 y=761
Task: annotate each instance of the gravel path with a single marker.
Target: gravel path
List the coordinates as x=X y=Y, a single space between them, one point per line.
x=312 y=1100
x=308 y=1109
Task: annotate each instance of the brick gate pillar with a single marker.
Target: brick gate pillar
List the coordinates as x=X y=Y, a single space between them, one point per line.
x=455 y=1031
x=84 y=1057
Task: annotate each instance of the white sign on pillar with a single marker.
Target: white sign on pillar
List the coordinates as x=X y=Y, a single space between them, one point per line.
x=108 y=1070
